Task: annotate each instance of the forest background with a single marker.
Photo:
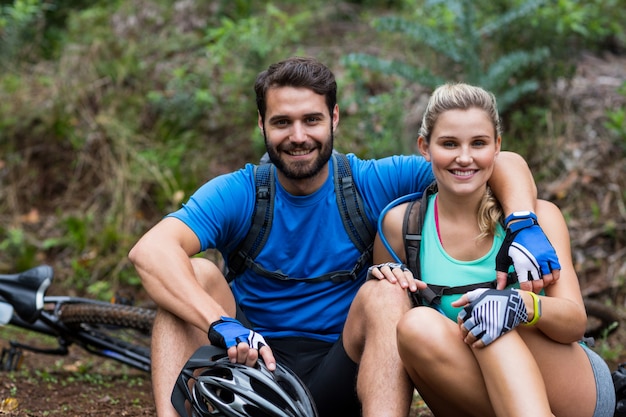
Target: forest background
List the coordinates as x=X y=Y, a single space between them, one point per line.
x=113 y=112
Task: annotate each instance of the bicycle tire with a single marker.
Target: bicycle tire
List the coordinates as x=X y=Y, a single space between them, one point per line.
x=108 y=314
x=115 y=331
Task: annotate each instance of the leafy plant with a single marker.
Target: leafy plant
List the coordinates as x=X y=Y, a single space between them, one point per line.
x=463 y=40
x=19 y=28
x=616 y=121
x=215 y=88
x=15 y=246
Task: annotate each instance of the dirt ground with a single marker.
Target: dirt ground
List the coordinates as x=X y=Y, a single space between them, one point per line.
x=82 y=385
x=75 y=385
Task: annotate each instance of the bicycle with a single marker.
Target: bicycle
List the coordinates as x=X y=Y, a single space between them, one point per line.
x=114 y=331
x=117 y=331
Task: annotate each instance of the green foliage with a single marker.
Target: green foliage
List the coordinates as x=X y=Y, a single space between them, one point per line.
x=372 y=125
x=19 y=28
x=616 y=121
x=16 y=248
x=217 y=85
x=579 y=24
x=469 y=46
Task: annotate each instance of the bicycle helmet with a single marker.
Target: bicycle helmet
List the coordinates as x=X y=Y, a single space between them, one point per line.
x=210 y=385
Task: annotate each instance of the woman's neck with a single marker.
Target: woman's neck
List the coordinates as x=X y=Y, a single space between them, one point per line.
x=457 y=226
x=454 y=207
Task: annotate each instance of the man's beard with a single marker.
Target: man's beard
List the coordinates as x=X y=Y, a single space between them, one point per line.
x=301 y=170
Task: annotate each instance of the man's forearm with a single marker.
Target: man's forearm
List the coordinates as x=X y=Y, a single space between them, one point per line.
x=513 y=183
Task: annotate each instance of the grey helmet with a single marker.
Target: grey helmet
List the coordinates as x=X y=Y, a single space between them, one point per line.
x=210 y=385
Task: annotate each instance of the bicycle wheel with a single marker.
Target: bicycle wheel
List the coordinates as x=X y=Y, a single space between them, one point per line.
x=108 y=314
x=115 y=331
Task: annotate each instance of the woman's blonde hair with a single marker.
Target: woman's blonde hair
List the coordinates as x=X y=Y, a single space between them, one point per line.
x=460 y=96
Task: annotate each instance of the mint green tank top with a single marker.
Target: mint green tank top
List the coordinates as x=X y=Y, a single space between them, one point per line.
x=439 y=268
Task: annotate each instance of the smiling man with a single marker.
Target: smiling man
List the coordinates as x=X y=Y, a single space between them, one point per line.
x=303 y=299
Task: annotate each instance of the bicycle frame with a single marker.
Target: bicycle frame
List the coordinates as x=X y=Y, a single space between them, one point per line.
x=24 y=293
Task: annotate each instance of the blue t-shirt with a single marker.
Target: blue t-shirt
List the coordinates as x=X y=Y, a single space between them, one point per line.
x=307 y=239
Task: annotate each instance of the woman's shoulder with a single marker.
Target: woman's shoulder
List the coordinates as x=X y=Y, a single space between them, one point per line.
x=547 y=209
x=551 y=220
x=398 y=210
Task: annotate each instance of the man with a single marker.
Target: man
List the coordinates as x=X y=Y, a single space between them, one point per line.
x=335 y=335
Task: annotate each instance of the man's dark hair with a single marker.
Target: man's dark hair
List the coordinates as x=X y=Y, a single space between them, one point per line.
x=296 y=72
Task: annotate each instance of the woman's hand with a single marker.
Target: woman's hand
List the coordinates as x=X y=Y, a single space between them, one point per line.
x=395 y=273
x=488 y=314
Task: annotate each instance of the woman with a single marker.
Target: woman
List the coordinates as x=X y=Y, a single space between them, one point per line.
x=495 y=352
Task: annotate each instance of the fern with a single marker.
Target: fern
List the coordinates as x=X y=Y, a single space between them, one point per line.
x=502 y=22
x=410 y=73
x=437 y=40
x=462 y=46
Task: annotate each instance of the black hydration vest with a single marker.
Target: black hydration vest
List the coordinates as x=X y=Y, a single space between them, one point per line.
x=350 y=205
x=412 y=232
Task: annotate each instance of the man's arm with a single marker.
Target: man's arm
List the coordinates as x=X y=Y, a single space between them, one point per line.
x=162 y=260
x=513 y=183
x=525 y=245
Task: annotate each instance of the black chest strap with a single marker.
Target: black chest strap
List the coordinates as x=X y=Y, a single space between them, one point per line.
x=351 y=208
x=412 y=230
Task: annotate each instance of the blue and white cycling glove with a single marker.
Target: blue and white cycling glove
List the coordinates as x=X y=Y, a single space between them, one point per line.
x=492 y=313
x=527 y=248
x=228 y=332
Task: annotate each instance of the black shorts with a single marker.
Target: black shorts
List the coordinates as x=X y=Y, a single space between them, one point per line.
x=325 y=368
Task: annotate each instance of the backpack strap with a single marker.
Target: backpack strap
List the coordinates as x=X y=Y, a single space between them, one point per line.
x=412 y=231
x=352 y=210
x=350 y=204
x=261 y=222
x=351 y=207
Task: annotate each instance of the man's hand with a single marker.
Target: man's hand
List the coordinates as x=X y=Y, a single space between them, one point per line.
x=244 y=345
x=488 y=314
x=528 y=249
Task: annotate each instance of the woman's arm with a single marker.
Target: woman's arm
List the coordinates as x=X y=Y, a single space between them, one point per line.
x=563 y=316
x=514 y=187
x=392 y=231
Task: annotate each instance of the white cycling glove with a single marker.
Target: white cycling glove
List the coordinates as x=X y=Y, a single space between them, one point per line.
x=492 y=313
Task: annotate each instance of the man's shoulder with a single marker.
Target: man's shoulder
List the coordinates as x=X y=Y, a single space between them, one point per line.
x=228 y=188
x=391 y=159
x=395 y=166
x=238 y=177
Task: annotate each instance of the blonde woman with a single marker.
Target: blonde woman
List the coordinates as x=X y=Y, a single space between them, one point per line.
x=493 y=352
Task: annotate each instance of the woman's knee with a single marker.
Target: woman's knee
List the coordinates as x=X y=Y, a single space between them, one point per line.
x=422 y=330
